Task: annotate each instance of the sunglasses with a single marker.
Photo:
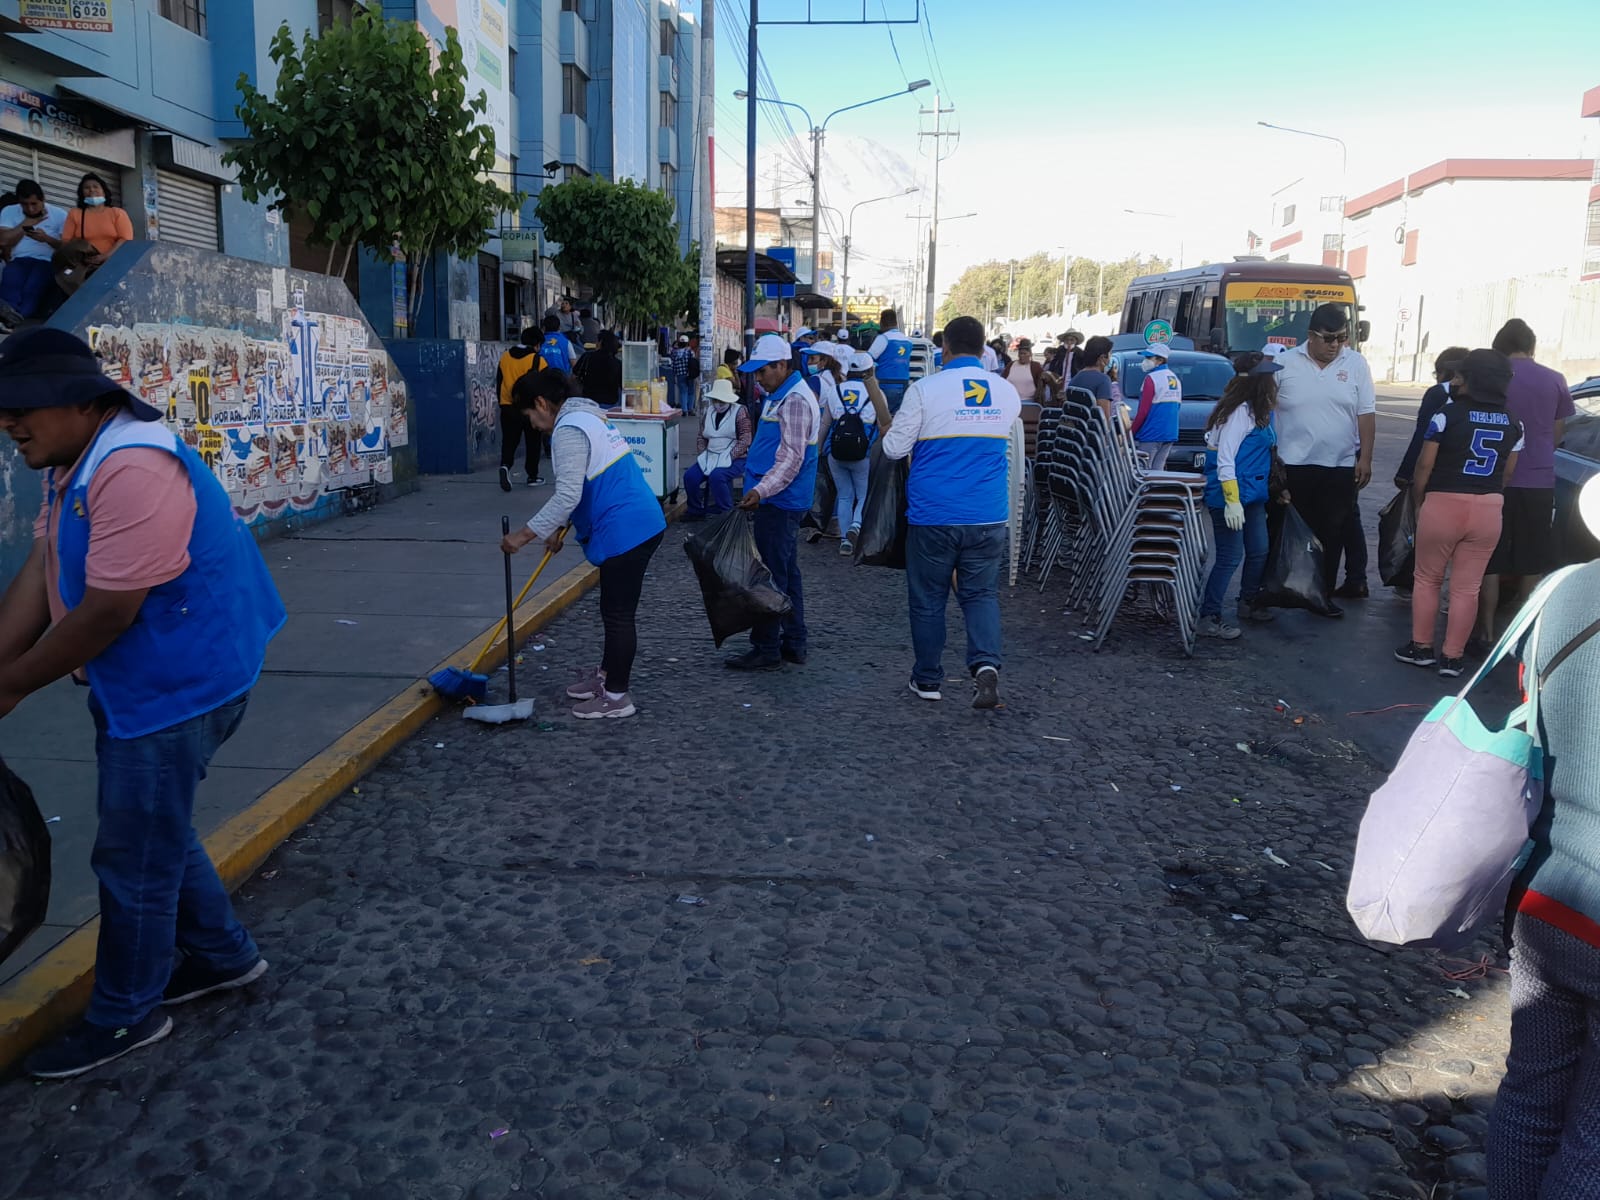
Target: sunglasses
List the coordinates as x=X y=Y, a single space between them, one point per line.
x=1331 y=339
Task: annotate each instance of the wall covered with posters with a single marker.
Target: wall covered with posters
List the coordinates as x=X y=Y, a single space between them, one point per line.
x=273 y=375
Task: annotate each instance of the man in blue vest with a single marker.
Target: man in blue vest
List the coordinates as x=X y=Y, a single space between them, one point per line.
x=556 y=350
x=143 y=585
x=956 y=426
x=891 y=351
x=780 y=479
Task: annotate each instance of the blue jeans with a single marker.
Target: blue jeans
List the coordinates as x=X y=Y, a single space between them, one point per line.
x=973 y=553
x=1233 y=545
x=158 y=889
x=777 y=532
x=24 y=282
x=719 y=482
x=850 y=481
x=894 y=393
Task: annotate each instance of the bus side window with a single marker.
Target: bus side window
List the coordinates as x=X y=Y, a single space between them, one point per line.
x=1181 y=322
x=1167 y=305
x=1133 y=307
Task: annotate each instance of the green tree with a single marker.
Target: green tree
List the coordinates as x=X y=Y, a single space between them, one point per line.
x=375 y=142
x=620 y=239
x=1031 y=286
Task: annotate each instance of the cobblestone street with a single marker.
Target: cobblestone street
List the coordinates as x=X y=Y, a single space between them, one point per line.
x=802 y=935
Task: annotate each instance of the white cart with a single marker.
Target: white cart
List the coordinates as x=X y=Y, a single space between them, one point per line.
x=654 y=440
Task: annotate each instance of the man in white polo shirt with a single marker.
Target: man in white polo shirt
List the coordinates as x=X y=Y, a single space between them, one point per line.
x=1327 y=426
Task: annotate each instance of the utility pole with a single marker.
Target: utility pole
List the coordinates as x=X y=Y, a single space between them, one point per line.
x=938 y=135
x=707 y=183
x=1011 y=287
x=750 y=183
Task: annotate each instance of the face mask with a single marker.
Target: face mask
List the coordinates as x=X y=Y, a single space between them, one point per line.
x=94 y=201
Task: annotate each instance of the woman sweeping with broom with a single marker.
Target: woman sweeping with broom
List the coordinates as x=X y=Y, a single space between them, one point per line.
x=602 y=492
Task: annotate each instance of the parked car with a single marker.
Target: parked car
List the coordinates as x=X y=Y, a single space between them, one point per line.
x=1577 y=461
x=1203 y=377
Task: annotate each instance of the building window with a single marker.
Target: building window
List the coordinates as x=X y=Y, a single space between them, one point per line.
x=511 y=71
x=191 y=14
x=574 y=91
x=1330 y=203
x=669 y=111
x=669 y=38
x=669 y=178
x=337 y=12
x=1591 y=241
x=569 y=6
x=1288 y=215
x=1330 y=241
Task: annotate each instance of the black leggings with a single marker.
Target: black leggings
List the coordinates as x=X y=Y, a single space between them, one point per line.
x=514 y=428
x=621 y=581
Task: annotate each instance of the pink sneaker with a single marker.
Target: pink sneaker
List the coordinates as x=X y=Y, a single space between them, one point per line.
x=605 y=706
x=587 y=686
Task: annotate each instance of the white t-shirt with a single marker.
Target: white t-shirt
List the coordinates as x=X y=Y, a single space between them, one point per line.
x=1319 y=407
x=990 y=360
x=55 y=220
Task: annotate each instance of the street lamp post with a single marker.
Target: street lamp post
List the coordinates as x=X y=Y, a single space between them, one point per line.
x=1344 y=170
x=817 y=134
x=849 y=231
x=1165 y=216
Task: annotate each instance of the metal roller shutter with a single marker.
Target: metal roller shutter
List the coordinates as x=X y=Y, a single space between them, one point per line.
x=57 y=173
x=186 y=210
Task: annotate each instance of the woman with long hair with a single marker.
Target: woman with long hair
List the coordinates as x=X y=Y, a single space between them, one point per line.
x=1239 y=443
x=602 y=492
x=97 y=221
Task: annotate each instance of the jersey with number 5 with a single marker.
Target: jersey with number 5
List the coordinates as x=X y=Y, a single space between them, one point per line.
x=1476 y=440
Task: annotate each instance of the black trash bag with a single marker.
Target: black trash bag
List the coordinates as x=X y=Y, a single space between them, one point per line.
x=1397 y=540
x=735 y=583
x=24 y=863
x=823 y=499
x=1294 y=572
x=882 y=539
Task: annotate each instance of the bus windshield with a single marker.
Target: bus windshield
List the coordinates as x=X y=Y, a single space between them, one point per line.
x=1258 y=313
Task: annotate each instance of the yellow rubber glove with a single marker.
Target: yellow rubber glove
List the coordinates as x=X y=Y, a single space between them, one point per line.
x=1233 y=511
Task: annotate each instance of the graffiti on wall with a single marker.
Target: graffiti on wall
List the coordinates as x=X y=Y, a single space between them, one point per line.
x=281 y=420
x=483 y=400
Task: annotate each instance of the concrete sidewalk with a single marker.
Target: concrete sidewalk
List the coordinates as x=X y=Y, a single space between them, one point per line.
x=376 y=601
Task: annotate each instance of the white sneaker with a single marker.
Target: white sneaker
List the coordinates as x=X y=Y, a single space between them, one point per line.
x=1214 y=627
x=924 y=691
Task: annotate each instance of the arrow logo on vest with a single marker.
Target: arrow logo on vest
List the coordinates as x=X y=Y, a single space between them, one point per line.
x=977 y=394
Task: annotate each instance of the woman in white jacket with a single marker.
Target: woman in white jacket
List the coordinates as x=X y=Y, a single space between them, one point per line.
x=722 y=445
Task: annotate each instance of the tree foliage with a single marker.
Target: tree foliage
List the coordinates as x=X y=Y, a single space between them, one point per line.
x=1033 y=286
x=370 y=135
x=620 y=239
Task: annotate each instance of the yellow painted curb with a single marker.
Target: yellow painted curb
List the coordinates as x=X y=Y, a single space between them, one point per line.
x=50 y=994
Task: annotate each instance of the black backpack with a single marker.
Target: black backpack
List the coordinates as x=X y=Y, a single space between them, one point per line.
x=850 y=441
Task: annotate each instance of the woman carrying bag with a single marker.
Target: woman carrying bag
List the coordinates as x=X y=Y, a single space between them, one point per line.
x=601 y=491
x=1239 y=445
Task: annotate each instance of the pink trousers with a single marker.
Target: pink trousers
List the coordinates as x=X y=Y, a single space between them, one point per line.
x=1457 y=531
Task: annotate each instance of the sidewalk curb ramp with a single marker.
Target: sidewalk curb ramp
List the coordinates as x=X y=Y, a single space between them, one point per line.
x=50 y=994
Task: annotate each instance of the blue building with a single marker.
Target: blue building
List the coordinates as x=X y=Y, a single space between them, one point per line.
x=146 y=96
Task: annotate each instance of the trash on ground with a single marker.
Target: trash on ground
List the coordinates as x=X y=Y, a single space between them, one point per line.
x=592 y=961
x=1177 y=787
x=688 y=899
x=1239 y=916
x=1115 y=788
x=438 y=745
x=498 y=1133
x=1273 y=858
x=343 y=621
x=1242 y=747
x=51 y=820
x=1460 y=993
x=871 y=838
x=538 y=648
x=1322 y=864
x=24 y=863
x=269 y=874
x=1050 y=737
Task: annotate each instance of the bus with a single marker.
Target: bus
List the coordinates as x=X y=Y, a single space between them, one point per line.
x=1249 y=300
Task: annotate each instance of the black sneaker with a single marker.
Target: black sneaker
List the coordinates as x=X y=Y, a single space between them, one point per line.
x=1479 y=647
x=797 y=657
x=1352 y=589
x=754 y=660
x=1451 y=668
x=1257 y=612
x=1417 y=656
x=987 y=695
x=85 y=1046
x=505 y=479
x=192 y=979
x=925 y=691
x=536 y=481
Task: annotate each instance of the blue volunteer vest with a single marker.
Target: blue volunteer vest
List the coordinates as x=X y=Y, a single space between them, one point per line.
x=797 y=497
x=894 y=363
x=617 y=510
x=1161 y=422
x=198 y=640
x=1252 y=467
x=960 y=468
x=556 y=351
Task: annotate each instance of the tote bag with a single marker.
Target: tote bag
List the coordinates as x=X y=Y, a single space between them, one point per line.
x=1443 y=838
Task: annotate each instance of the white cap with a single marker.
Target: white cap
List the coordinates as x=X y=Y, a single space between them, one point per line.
x=770 y=348
x=843 y=335
x=861 y=361
x=683 y=339
x=803 y=331
x=1157 y=350
x=1273 y=349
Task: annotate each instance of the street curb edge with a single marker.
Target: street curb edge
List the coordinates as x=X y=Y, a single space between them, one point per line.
x=48 y=995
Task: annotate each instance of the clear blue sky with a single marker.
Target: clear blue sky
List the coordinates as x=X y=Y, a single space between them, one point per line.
x=1055 y=98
